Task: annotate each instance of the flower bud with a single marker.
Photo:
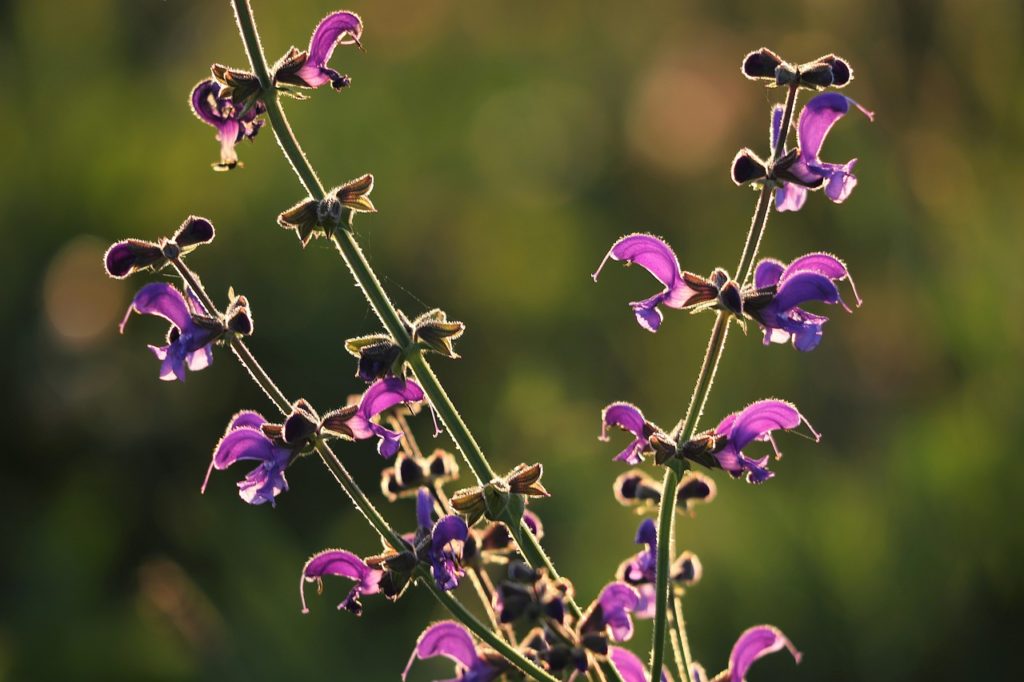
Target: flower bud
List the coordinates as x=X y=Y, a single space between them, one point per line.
x=303 y=218
x=748 y=168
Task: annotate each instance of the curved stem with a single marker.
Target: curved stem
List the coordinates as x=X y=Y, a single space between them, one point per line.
x=686 y=427
x=368 y=281
x=378 y=299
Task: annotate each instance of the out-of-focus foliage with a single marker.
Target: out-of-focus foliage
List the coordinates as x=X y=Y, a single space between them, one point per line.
x=512 y=143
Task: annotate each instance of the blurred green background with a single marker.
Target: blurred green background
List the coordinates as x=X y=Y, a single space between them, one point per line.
x=512 y=143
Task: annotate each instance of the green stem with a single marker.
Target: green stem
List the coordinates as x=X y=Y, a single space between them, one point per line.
x=687 y=426
x=679 y=625
x=372 y=289
x=378 y=299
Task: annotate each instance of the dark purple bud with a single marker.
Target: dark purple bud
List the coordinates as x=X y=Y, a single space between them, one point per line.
x=635 y=488
x=693 y=488
x=129 y=256
x=730 y=299
x=842 y=74
x=301 y=425
x=378 y=361
x=193 y=232
x=761 y=64
x=686 y=570
x=747 y=167
x=442 y=465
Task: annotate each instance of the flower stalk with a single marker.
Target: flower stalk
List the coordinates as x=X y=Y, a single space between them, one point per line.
x=702 y=389
x=381 y=304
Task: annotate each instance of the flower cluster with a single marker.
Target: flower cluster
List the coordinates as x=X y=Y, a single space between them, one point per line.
x=486 y=533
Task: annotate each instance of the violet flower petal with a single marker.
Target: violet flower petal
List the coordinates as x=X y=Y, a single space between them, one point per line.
x=629 y=665
x=339 y=28
x=773 y=134
x=447 y=638
x=759 y=419
x=160 y=299
x=424 y=508
x=805 y=286
x=754 y=643
x=617 y=601
x=447 y=539
x=790 y=197
x=657 y=257
x=339 y=562
x=817 y=118
x=628 y=418
x=248 y=418
x=768 y=272
x=242 y=443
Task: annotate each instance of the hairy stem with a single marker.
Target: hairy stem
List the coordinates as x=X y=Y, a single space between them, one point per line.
x=367 y=280
x=378 y=299
x=679 y=626
x=687 y=426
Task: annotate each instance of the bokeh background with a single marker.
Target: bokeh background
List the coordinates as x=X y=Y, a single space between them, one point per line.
x=512 y=143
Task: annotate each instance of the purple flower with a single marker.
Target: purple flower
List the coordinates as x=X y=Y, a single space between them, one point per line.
x=309 y=69
x=245 y=439
x=757 y=421
x=447 y=538
x=347 y=565
x=754 y=643
x=641 y=569
x=233 y=125
x=452 y=640
x=809 y=278
x=191 y=334
x=655 y=256
x=647 y=436
x=807 y=170
x=629 y=665
x=382 y=395
x=610 y=612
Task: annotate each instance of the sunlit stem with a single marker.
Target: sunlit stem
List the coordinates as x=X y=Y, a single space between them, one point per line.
x=687 y=426
x=375 y=295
